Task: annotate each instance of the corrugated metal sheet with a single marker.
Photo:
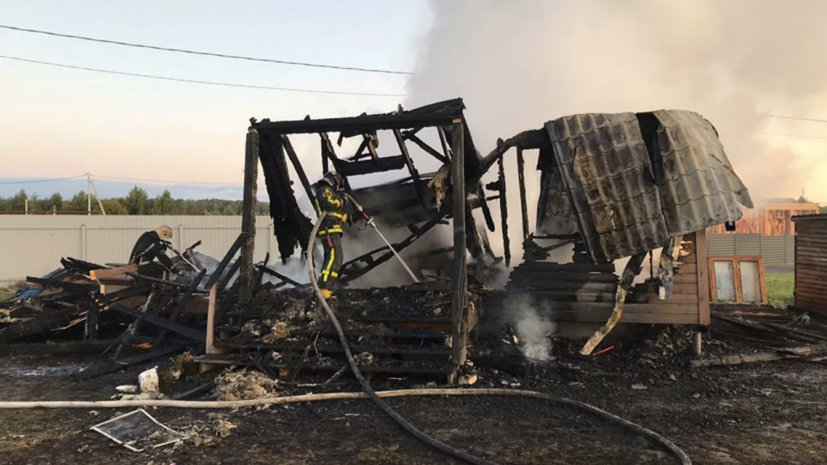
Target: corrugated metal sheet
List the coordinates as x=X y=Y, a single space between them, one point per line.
x=33 y=245
x=627 y=201
x=603 y=162
x=747 y=244
x=698 y=187
x=720 y=245
x=557 y=216
x=811 y=263
x=773 y=248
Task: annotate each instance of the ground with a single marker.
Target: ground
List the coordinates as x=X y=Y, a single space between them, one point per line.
x=770 y=413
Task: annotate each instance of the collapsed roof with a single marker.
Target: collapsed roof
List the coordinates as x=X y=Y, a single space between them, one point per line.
x=627 y=182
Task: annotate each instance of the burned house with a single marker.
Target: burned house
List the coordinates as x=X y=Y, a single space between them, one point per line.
x=623 y=185
x=614 y=185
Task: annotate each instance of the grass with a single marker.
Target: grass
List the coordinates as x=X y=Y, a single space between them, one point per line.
x=780 y=288
x=6 y=293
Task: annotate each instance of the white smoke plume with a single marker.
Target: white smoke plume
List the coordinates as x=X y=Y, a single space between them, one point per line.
x=520 y=63
x=533 y=328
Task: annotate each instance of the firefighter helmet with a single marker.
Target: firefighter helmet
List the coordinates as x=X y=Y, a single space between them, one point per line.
x=334 y=180
x=164 y=232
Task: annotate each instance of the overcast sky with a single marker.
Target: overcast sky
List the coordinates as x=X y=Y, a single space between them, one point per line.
x=59 y=122
x=517 y=64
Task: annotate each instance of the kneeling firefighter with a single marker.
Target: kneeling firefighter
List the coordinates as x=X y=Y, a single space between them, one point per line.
x=332 y=197
x=149 y=253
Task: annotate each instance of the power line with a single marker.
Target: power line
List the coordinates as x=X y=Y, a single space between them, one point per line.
x=42 y=180
x=192 y=81
x=795 y=118
x=210 y=54
x=792 y=135
x=118 y=178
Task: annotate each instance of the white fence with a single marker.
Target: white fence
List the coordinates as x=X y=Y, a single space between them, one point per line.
x=33 y=245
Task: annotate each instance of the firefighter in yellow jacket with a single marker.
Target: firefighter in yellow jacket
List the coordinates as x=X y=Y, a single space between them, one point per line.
x=332 y=198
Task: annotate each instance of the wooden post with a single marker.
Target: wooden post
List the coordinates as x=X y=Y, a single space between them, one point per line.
x=504 y=214
x=459 y=272
x=521 y=179
x=248 y=216
x=210 y=348
x=702 y=267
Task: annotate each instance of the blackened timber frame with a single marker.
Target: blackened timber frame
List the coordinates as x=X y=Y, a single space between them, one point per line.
x=459 y=274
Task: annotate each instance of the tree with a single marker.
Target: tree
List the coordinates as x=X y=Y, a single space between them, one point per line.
x=802 y=199
x=55 y=202
x=77 y=203
x=114 y=207
x=18 y=201
x=163 y=204
x=137 y=201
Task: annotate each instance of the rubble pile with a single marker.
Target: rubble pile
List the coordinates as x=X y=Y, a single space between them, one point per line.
x=398 y=330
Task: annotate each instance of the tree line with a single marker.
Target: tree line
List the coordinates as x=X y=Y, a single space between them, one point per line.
x=137 y=202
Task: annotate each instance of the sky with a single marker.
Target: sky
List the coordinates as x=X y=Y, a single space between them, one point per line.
x=516 y=65
x=57 y=122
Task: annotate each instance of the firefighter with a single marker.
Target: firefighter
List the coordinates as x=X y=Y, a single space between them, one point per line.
x=332 y=197
x=149 y=252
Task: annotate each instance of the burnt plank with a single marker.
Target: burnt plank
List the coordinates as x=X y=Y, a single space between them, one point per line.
x=161 y=322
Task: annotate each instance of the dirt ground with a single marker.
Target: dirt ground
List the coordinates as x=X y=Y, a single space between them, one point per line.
x=769 y=413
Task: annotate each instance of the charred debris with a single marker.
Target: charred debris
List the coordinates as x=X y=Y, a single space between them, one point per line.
x=612 y=186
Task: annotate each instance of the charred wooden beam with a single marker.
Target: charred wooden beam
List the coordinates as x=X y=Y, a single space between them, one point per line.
x=459 y=273
x=521 y=179
x=179 y=307
x=40 y=324
x=444 y=142
x=248 y=217
x=361 y=124
x=427 y=148
x=280 y=276
x=110 y=367
x=297 y=165
x=162 y=322
x=486 y=212
x=73 y=287
x=504 y=213
x=420 y=192
x=328 y=152
x=357 y=168
x=91 y=330
x=225 y=261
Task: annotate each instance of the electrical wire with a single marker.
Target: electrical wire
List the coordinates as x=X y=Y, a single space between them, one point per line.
x=209 y=54
x=42 y=180
x=792 y=136
x=194 y=81
x=118 y=178
x=815 y=120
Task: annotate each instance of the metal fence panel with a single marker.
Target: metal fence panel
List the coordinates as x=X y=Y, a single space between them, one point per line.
x=774 y=249
x=747 y=244
x=720 y=245
x=33 y=245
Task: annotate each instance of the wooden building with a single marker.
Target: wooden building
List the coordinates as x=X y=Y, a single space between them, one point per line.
x=772 y=219
x=811 y=263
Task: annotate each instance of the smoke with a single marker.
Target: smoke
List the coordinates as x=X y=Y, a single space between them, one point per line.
x=520 y=63
x=532 y=328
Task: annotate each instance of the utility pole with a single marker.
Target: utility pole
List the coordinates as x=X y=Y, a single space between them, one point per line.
x=88 y=194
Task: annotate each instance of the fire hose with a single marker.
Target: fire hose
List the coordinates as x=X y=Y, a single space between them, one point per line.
x=441 y=446
x=368 y=393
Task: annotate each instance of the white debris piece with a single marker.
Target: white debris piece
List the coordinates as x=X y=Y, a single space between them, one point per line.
x=148 y=381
